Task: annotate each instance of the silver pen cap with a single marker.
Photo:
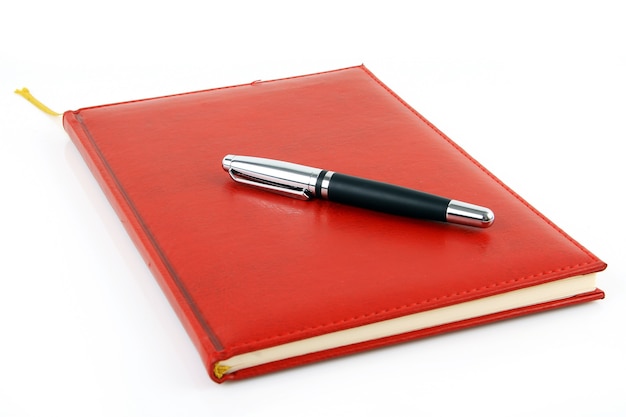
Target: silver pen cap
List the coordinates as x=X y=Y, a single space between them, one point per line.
x=284 y=178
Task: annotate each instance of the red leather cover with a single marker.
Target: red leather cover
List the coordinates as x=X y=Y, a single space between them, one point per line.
x=246 y=269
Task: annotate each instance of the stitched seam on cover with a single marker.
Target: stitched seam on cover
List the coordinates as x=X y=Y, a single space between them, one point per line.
x=475 y=162
x=408 y=306
x=216 y=89
x=456 y=294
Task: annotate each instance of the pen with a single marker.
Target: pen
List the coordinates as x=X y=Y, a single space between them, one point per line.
x=304 y=183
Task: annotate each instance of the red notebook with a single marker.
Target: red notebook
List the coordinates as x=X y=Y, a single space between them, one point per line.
x=263 y=282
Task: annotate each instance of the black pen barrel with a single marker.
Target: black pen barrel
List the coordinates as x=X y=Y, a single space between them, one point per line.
x=387 y=198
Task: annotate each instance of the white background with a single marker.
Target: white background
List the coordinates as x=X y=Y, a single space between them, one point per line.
x=535 y=90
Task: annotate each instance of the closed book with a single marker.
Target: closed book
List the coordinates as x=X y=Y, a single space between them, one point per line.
x=263 y=282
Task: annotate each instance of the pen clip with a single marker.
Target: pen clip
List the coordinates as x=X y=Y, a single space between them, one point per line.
x=282 y=189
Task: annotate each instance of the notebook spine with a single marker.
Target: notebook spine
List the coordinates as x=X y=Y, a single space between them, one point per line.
x=80 y=136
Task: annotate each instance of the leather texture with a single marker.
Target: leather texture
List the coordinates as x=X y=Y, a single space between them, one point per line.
x=246 y=269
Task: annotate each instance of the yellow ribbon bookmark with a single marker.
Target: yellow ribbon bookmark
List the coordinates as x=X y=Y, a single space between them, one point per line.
x=220 y=370
x=28 y=96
